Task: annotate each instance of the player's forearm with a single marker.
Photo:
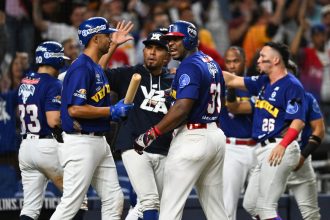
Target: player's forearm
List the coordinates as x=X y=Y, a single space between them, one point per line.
x=297 y=124
x=177 y=114
x=315 y=140
x=88 y=111
x=53 y=118
x=292 y=133
x=233 y=81
x=241 y=107
x=318 y=128
x=106 y=57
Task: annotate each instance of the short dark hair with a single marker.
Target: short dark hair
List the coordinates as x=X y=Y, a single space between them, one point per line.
x=240 y=51
x=282 y=49
x=292 y=67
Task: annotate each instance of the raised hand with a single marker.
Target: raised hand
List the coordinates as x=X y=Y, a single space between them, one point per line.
x=122 y=35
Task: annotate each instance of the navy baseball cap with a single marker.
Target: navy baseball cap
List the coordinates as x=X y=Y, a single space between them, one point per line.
x=317 y=28
x=155 y=37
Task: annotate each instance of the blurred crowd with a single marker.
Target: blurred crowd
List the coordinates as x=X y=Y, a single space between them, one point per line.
x=304 y=25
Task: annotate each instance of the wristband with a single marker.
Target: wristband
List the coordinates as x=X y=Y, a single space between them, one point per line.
x=313 y=143
x=316 y=139
x=157 y=131
x=309 y=149
x=290 y=136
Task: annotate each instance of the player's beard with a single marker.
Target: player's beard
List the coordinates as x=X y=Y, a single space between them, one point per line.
x=104 y=50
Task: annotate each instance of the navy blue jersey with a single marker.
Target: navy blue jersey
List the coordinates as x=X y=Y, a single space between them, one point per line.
x=37 y=94
x=8 y=104
x=149 y=106
x=313 y=112
x=276 y=106
x=200 y=78
x=238 y=125
x=85 y=83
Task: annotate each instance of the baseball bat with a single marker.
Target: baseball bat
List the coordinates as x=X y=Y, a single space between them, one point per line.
x=132 y=88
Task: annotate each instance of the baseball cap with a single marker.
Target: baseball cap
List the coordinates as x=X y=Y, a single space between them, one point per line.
x=155 y=37
x=317 y=28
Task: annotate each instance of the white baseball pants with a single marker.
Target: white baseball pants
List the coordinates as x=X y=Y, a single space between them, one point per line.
x=267 y=183
x=302 y=184
x=146 y=175
x=195 y=158
x=239 y=160
x=38 y=161
x=88 y=160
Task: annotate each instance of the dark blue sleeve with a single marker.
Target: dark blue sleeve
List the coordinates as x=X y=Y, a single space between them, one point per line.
x=314 y=111
x=53 y=97
x=78 y=86
x=188 y=84
x=254 y=84
x=295 y=103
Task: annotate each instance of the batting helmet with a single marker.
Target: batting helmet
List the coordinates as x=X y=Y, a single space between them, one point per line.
x=50 y=53
x=92 y=26
x=186 y=30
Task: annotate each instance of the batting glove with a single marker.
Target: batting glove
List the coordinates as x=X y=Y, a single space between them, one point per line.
x=145 y=139
x=120 y=110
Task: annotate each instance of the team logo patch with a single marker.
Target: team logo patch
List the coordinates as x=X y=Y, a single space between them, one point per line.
x=81 y=93
x=192 y=31
x=30 y=81
x=212 y=69
x=254 y=78
x=57 y=99
x=292 y=108
x=272 y=97
x=155 y=36
x=98 y=78
x=26 y=90
x=184 y=80
x=96 y=29
x=316 y=107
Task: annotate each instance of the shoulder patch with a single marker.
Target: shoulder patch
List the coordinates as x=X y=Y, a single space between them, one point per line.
x=184 y=80
x=292 y=108
x=316 y=107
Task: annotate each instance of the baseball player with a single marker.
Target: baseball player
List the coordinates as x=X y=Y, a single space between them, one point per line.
x=240 y=149
x=302 y=181
x=85 y=113
x=146 y=171
x=278 y=118
x=39 y=99
x=197 y=150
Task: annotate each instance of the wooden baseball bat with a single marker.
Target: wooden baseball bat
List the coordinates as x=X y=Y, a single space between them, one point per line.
x=132 y=88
